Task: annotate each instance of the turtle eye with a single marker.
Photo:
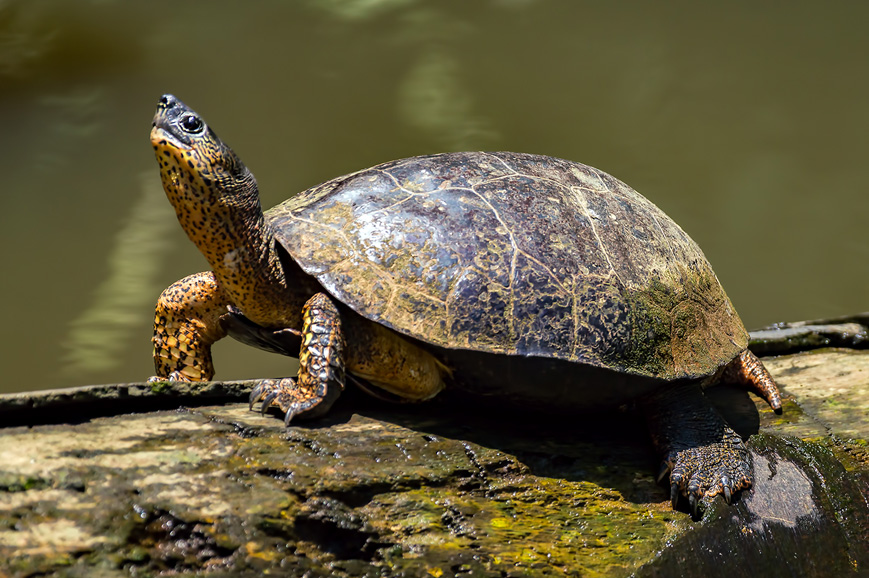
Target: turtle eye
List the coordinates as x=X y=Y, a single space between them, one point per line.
x=191 y=124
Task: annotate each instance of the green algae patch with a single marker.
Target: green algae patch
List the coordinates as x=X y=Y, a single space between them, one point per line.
x=161 y=387
x=225 y=488
x=535 y=525
x=662 y=313
x=21 y=483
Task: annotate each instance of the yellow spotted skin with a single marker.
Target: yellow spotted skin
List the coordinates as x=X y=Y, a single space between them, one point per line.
x=186 y=324
x=217 y=204
x=322 y=346
x=321 y=361
x=229 y=230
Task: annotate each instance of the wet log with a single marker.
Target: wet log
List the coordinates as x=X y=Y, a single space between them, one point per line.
x=442 y=489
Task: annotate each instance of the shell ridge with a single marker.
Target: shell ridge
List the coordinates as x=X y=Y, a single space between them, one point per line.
x=546 y=268
x=395 y=204
x=664 y=235
x=503 y=162
x=501 y=178
x=398 y=186
x=509 y=312
x=340 y=231
x=575 y=310
x=583 y=204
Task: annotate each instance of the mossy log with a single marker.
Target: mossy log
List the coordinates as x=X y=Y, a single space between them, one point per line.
x=442 y=489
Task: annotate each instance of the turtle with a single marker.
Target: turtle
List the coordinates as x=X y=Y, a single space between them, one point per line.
x=512 y=276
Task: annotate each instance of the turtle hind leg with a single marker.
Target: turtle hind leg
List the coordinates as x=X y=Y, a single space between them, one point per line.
x=703 y=455
x=748 y=371
x=321 y=366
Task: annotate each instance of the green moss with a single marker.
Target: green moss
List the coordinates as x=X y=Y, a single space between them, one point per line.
x=683 y=324
x=420 y=492
x=161 y=387
x=540 y=525
x=649 y=351
x=21 y=483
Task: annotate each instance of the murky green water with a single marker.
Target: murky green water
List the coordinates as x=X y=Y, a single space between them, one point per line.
x=746 y=122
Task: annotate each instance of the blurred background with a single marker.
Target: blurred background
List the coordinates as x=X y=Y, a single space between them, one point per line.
x=747 y=122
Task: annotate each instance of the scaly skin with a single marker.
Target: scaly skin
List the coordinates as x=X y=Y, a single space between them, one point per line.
x=186 y=325
x=703 y=455
x=217 y=203
x=747 y=371
x=321 y=360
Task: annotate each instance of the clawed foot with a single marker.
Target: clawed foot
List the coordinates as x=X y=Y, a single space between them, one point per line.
x=286 y=395
x=706 y=471
x=702 y=454
x=321 y=362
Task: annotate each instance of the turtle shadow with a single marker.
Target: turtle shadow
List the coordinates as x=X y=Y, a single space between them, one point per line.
x=610 y=449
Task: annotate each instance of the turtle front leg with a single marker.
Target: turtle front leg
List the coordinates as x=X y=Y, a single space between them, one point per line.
x=702 y=454
x=186 y=324
x=321 y=366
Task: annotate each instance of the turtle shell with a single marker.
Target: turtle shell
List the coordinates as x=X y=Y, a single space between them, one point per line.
x=515 y=254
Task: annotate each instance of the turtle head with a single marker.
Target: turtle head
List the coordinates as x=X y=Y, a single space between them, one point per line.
x=195 y=165
x=217 y=204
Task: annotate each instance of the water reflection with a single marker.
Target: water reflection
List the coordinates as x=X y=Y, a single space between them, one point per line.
x=432 y=99
x=76 y=114
x=98 y=336
x=359 y=9
x=23 y=37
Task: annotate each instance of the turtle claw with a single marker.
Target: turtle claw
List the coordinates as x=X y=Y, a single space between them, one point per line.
x=288 y=417
x=696 y=493
x=267 y=401
x=274 y=392
x=707 y=457
x=174 y=376
x=674 y=492
x=290 y=399
x=695 y=504
x=706 y=471
x=693 y=490
x=257 y=394
x=321 y=372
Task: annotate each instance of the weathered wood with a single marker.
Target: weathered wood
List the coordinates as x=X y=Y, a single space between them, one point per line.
x=851 y=331
x=432 y=490
x=78 y=404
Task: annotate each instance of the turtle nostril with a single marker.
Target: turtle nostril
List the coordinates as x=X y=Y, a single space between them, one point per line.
x=167 y=100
